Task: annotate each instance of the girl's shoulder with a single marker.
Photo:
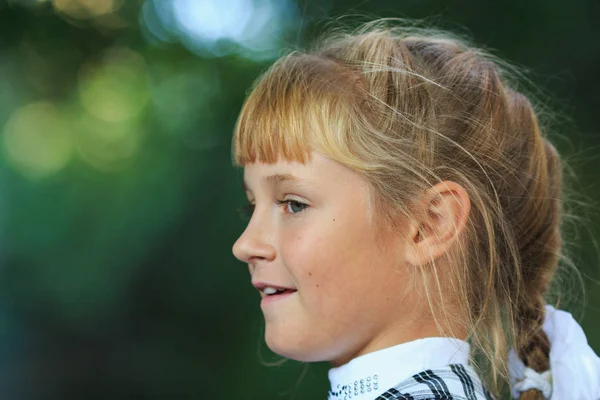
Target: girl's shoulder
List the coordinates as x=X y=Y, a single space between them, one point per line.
x=454 y=382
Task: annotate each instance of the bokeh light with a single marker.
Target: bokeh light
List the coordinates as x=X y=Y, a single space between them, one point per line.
x=252 y=28
x=86 y=9
x=117 y=88
x=37 y=139
x=106 y=145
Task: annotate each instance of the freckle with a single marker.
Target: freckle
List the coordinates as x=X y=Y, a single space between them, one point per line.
x=317 y=285
x=310 y=273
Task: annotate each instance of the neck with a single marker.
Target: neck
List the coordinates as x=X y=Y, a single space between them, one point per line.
x=400 y=332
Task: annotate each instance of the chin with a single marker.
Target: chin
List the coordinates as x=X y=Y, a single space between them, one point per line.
x=303 y=349
x=293 y=347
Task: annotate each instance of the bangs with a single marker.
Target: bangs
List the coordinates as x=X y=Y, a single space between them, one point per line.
x=302 y=103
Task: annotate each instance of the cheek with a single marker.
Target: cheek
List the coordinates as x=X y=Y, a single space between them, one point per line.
x=316 y=247
x=308 y=253
x=331 y=261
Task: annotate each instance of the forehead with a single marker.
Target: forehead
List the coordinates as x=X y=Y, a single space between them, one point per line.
x=291 y=172
x=319 y=170
x=280 y=167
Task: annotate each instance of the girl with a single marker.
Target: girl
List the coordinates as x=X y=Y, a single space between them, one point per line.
x=405 y=215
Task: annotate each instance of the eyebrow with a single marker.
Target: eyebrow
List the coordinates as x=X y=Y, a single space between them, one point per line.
x=277 y=178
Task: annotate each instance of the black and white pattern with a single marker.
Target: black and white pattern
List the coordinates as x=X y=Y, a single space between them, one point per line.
x=455 y=382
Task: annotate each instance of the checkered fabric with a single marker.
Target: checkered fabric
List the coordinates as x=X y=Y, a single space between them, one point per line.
x=455 y=382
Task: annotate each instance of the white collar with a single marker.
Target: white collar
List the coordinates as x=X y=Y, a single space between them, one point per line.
x=369 y=375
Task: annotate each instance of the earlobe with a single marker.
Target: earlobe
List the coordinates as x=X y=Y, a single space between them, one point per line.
x=439 y=220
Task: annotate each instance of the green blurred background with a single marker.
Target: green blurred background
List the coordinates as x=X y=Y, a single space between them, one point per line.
x=118 y=197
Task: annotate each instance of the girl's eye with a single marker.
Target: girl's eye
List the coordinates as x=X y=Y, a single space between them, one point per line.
x=295 y=206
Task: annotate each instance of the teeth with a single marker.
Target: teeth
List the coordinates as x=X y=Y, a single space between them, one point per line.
x=270 y=290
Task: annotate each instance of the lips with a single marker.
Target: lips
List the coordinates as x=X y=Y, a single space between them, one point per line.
x=260 y=286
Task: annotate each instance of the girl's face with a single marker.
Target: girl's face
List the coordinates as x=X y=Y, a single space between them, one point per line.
x=311 y=232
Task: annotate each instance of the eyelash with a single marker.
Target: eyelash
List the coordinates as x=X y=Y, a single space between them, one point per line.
x=247 y=210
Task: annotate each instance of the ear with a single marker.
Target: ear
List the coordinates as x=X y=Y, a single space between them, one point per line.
x=439 y=217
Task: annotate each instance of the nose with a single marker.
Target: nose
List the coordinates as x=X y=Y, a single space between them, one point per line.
x=254 y=244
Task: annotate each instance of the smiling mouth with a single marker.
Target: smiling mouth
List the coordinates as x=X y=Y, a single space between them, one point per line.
x=268 y=299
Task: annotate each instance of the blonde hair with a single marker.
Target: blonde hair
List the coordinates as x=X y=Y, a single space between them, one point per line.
x=407 y=108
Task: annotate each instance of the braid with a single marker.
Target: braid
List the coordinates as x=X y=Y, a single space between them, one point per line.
x=540 y=242
x=533 y=346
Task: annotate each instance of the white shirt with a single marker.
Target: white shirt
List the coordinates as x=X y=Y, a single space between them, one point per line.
x=369 y=375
